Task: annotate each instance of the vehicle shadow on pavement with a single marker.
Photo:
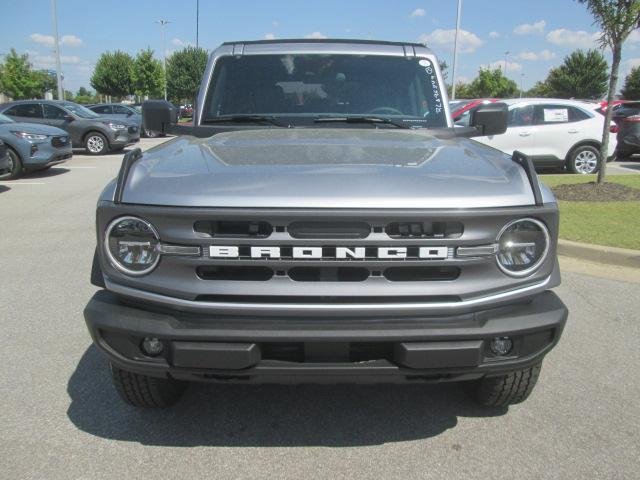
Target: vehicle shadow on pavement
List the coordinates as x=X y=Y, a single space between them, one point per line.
x=273 y=415
x=4 y=188
x=631 y=166
x=111 y=154
x=50 y=172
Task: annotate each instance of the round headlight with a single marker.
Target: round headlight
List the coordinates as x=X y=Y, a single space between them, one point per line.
x=131 y=245
x=522 y=246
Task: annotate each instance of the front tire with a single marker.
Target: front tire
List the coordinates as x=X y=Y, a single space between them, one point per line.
x=584 y=160
x=505 y=390
x=151 y=134
x=96 y=144
x=15 y=166
x=144 y=391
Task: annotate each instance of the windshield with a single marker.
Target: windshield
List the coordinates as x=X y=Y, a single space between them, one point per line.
x=79 y=110
x=5 y=119
x=304 y=87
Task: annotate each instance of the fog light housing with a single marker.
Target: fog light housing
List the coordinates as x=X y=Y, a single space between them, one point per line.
x=152 y=347
x=501 y=346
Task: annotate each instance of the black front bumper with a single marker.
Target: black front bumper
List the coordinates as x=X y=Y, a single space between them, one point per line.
x=319 y=350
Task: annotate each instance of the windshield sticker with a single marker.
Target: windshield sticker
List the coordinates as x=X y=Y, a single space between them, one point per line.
x=433 y=79
x=556 y=114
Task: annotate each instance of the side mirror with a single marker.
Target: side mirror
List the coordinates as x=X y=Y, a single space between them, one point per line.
x=68 y=118
x=129 y=114
x=490 y=119
x=159 y=115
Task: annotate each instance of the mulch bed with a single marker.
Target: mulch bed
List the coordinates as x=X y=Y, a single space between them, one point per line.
x=593 y=192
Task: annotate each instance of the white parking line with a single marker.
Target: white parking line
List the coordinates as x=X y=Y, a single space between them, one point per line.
x=21 y=183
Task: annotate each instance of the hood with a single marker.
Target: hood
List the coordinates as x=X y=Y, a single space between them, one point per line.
x=38 y=128
x=327 y=168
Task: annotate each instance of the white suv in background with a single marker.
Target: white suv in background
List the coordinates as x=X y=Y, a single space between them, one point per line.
x=554 y=133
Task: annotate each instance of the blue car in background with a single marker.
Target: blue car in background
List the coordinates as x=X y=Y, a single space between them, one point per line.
x=4 y=159
x=32 y=146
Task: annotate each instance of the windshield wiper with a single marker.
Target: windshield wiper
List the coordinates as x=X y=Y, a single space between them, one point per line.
x=249 y=118
x=362 y=119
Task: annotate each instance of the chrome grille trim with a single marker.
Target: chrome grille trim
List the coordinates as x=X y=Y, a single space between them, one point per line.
x=320 y=309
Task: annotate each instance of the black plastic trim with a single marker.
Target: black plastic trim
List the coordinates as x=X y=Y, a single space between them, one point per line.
x=545 y=313
x=527 y=164
x=128 y=160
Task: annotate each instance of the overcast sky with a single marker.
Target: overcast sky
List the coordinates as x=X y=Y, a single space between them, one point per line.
x=538 y=34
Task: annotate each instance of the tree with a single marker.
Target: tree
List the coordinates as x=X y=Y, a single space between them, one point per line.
x=85 y=96
x=631 y=89
x=616 y=19
x=46 y=82
x=540 y=89
x=148 y=75
x=113 y=74
x=184 y=72
x=462 y=90
x=582 y=75
x=17 y=79
x=488 y=83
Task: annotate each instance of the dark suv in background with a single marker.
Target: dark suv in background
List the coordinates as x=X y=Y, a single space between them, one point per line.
x=95 y=133
x=121 y=111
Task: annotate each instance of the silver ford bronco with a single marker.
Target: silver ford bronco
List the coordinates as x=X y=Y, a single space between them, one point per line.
x=323 y=221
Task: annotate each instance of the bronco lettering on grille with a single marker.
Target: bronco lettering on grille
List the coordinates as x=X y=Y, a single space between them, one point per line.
x=337 y=253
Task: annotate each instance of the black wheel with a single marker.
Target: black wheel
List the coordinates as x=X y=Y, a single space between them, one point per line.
x=96 y=144
x=584 y=160
x=147 y=392
x=151 y=133
x=505 y=390
x=15 y=166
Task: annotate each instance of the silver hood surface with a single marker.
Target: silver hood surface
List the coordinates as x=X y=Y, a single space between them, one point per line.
x=327 y=168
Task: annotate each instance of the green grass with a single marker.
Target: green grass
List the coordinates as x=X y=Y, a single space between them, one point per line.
x=615 y=224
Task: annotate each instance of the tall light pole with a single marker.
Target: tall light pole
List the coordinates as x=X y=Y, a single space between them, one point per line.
x=197 y=22
x=164 y=53
x=54 y=15
x=506 y=54
x=455 y=51
x=521 y=80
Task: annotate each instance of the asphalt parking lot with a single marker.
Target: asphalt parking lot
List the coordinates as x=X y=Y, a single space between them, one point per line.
x=61 y=417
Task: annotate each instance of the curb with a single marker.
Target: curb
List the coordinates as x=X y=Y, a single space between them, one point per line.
x=623 y=257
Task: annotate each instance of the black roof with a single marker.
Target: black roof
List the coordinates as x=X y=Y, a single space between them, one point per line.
x=326 y=40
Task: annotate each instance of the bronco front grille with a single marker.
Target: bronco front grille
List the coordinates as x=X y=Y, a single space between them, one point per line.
x=342 y=266
x=327 y=274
